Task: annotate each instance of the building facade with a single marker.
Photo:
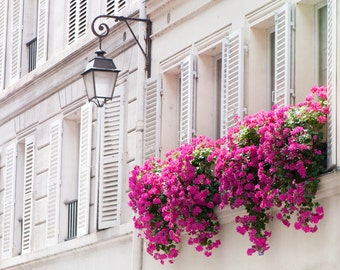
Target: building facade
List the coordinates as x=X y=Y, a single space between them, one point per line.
x=64 y=163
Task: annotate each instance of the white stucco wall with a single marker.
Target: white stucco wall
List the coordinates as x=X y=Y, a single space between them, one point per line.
x=289 y=249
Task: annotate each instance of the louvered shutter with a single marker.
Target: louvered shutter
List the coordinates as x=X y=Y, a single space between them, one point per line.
x=16 y=40
x=111 y=162
x=232 y=90
x=110 y=7
x=43 y=8
x=331 y=82
x=84 y=169
x=115 y=6
x=72 y=21
x=82 y=17
x=77 y=22
x=9 y=201
x=152 y=118
x=3 y=39
x=283 y=53
x=53 y=184
x=187 y=109
x=28 y=195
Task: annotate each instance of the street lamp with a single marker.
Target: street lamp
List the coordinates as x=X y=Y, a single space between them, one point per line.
x=100 y=75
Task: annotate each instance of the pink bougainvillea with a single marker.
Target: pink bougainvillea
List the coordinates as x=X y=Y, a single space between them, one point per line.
x=268 y=164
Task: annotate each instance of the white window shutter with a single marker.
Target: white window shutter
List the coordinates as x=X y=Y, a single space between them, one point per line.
x=42 y=32
x=152 y=118
x=16 y=39
x=232 y=86
x=115 y=6
x=111 y=162
x=53 y=184
x=77 y=19
x=331 y=82
x=82 y=25
x=28 y=195
x=3 y=39
x=72 y=21
x=9 y=201
x=283 y=52
x=187 y=104
x=84 y=174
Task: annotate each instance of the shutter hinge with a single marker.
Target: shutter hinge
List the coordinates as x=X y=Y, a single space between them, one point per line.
x=139 y=126
x=292 y=92
x=193 y=133
x=246 y=48
x=161 y=92
x=292 y=25
x=245 y=111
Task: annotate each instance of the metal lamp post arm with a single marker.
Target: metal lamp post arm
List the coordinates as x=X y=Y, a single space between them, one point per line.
x=102 y=30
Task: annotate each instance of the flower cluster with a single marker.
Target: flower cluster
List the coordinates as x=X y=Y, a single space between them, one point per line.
x=273 y=159
x=268 y=164
x=178 y=195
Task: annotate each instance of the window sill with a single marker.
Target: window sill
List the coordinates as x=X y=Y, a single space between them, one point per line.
x=75 y=245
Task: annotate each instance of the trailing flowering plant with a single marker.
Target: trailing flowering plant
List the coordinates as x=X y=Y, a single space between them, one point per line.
x=273 y=159
x=178 y=195
x=270 y=162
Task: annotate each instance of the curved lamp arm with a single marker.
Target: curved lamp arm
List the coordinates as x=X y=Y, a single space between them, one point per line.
x=102 y=30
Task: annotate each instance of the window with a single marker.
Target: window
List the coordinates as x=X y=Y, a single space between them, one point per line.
x=23 y=32
x=77 y=19
x=69 y=176
x=29 y=36
x=271 y=62
x=32 y=54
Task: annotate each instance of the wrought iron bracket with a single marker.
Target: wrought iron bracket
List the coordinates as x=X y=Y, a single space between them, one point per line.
x=102 y=30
